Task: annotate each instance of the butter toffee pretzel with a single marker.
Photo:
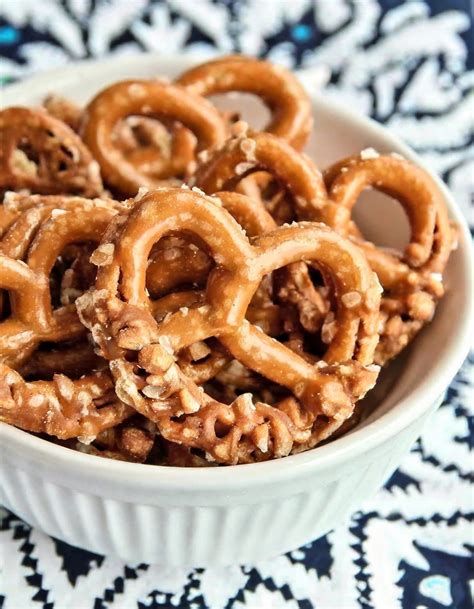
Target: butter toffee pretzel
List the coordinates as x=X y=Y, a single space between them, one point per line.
x=280 y=91
x=33 y=242
x=413 y=279
x=144 y=142
x=199 y=326
x=118 y=314
x=156 y=99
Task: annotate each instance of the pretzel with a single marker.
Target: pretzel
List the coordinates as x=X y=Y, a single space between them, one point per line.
x=183 y=456
x=43 y=155
x=345 y=181
x=118 y=314
x=280 y=91
x=261 y=186
x=412 y=281
x=38 y=237
x=61 y=407
x=234 y=320
x=255 y=152
x=201 y=361
x=295 y=289
x=177 y=262
x=145 y=143
x=153 y=99
x=294 y=285
x=251 y=153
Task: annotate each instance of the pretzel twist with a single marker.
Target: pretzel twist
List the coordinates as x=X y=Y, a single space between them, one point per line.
x=255 y=152
x=280 y=91
x=412 y=282
x=61 y=407
x=118 y=315
x=64 y=110
x=152 y=99
x=36 y=239
x=43 y=155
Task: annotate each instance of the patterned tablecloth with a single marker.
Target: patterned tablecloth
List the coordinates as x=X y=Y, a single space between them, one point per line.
x=408 y=64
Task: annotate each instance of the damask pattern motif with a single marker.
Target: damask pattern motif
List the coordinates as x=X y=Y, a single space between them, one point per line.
x=407 y=64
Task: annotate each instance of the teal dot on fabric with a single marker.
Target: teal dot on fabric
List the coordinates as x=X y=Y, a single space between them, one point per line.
x=8 y=35
x=301 y=32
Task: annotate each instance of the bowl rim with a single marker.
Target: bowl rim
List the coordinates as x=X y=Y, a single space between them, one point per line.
x=42 y=454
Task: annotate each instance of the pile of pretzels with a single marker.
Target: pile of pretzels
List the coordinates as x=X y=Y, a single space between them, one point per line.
x=177 y=288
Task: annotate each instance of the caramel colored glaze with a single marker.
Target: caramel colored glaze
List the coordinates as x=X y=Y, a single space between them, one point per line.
x=73 y=360
x=144 y=142
x=286 y=99
x=64 y=110
x=154 y=99
x=154 y=150
x=255 y=152
x=118 y=315
x=412 y=281
x=36 y=239
x=61 y=407
x=237 y=318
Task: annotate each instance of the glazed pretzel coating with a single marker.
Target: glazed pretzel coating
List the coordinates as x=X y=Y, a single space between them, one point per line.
x=201 y=361
x=144 y=142
x=181 y=456
x=118 y=315
x=412 y=282
x=61 y=407
x=279 y=89
x=253 y=152
x=21 y=216
x=177 y=261
x=43 y=155
x=152 y=99
x=294 y=284
x=38 y=237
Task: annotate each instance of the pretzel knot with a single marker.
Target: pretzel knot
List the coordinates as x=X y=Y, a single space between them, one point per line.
x=36 y=236
x=42 y=154
x=152 y=99
x=61 y=407
x=290 y=107
x=412 y=281
x=250 y=153
x=142 y=351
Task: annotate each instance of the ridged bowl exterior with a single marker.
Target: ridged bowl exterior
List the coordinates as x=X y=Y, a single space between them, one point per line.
x=231 y=515
x=200 y=535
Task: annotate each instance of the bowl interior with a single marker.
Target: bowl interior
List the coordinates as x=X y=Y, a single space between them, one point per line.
x=438 y=351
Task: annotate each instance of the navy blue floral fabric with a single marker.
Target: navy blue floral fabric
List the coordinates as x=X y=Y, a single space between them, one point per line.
x=410 y=65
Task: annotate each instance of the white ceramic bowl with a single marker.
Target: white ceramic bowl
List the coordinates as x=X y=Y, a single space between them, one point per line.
x=220 y=516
